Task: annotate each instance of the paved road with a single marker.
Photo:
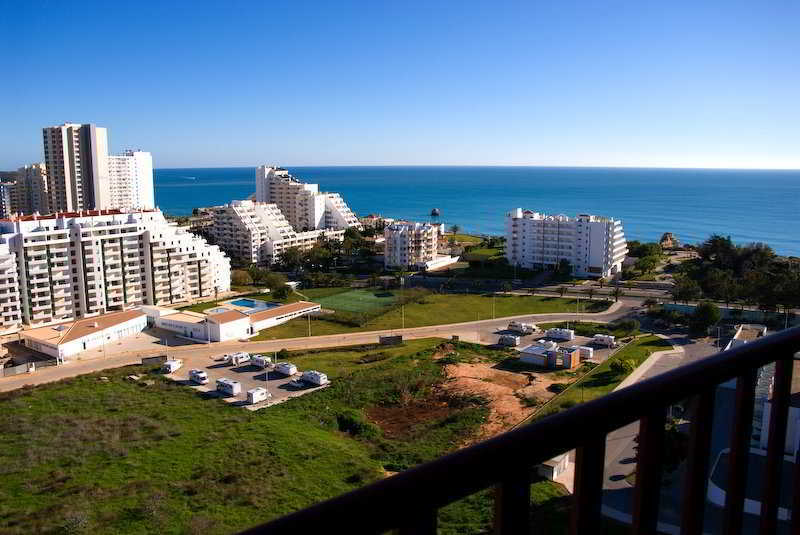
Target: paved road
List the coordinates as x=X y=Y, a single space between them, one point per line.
x=471 y=331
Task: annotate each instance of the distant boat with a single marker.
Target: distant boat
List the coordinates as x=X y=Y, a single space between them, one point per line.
x=435 y=212
x=189 y=177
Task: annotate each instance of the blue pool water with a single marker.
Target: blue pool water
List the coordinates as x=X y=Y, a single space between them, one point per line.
x=252 y=303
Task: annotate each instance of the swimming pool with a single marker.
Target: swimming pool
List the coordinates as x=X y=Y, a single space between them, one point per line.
x=252 y=303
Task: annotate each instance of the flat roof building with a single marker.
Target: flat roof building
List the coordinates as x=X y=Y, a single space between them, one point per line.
x=594 y=246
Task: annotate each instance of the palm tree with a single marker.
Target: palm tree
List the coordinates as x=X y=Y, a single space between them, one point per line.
x=617 y=293
x=455 y=229
x=590 y=292
x=562 y=290
x=601 y=281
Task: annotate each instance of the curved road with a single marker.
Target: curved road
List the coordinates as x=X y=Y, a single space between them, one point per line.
x=470 y=330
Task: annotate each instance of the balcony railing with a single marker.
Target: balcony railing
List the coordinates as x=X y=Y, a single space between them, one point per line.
x=409 y=501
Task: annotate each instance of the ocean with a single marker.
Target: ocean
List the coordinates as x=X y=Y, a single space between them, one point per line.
x=748 y=205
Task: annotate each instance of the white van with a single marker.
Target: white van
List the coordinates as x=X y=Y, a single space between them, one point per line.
x=237 y=359
x=521 y=328
x=508 y=340
x=257 y=395
x=171 y=365
x=286 y=368
x=229 y=386
x=261 y=361
x=198 y=376
x=314 y=377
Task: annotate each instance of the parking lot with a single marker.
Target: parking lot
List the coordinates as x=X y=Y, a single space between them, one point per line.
x=600 y=354
x=248 y=375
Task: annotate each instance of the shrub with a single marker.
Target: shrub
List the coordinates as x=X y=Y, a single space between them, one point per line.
x=353 y=422
x=281 y=292
x=623 y=367
x=557 y=387
x=283 y=354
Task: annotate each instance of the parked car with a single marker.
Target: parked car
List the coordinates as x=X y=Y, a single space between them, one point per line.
x=198 y=376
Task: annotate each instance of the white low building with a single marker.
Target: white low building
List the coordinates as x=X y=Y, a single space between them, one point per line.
x=68 y=339
x=225 y=324
x=594 y=246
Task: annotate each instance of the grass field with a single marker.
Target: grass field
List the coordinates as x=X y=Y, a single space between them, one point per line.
x=464 y=238
x=358 y=300
x=435 y=309
x=87 y=455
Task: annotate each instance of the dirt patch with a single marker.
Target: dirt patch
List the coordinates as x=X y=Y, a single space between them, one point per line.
x=504 y=390
x=400 y=421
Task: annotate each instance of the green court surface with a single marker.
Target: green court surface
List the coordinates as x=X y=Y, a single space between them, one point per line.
x=358 y=300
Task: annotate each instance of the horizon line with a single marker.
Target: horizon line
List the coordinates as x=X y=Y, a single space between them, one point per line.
x=649 y=167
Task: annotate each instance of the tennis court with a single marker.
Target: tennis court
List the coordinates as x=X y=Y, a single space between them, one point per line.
x=358 y=300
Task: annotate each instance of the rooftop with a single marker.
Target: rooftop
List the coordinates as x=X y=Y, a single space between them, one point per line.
x=69 y=331
x=283 y=309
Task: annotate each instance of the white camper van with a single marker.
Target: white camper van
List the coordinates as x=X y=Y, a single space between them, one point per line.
x=508 y=340
x=521 y=328
x=257 y=395
x=237 y=359
x=286 y=368
x=260 y=361
x=229 y=387
x=315 y=378
x=171 y=365
x=198 y=376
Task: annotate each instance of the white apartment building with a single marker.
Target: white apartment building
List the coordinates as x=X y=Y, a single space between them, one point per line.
x=76 y=156
x=78 y=264
x=258 y=232
x=413 y=245
x=80 y=175
x=29 y=194
x=131 y=181
x=10 y=311
x=594 y=246
x=305 y=207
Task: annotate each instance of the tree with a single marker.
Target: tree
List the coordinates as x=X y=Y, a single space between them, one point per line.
x=239 y=277
x=562 y=290
x=455 y=229
x=353 y=234
x=564 y=268
x=589 y=292
x=601 y=281
x=292 y=258
x=617 y=293
x=283 y=354
x=685 y=289
x=706 y=314
x=646 y=264
x=623 y=367
x=281 y=293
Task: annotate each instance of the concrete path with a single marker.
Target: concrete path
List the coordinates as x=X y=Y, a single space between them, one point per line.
x=469 y=331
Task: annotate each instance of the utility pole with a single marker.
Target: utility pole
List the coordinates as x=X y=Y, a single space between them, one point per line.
x=402 y=302
x=493 y=295
x=309 y=324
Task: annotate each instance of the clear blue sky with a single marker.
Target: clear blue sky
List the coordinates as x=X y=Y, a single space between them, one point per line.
x=705 y=84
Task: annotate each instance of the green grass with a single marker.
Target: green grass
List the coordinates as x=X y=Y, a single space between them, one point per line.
x=359 y=300
x=121 y=457
x=435 y=309
x=603 y=380
x=464 y=238
x=483 y=253
x=588 y=328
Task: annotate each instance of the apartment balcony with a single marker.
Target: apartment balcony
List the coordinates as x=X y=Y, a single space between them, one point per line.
x=505 y=463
